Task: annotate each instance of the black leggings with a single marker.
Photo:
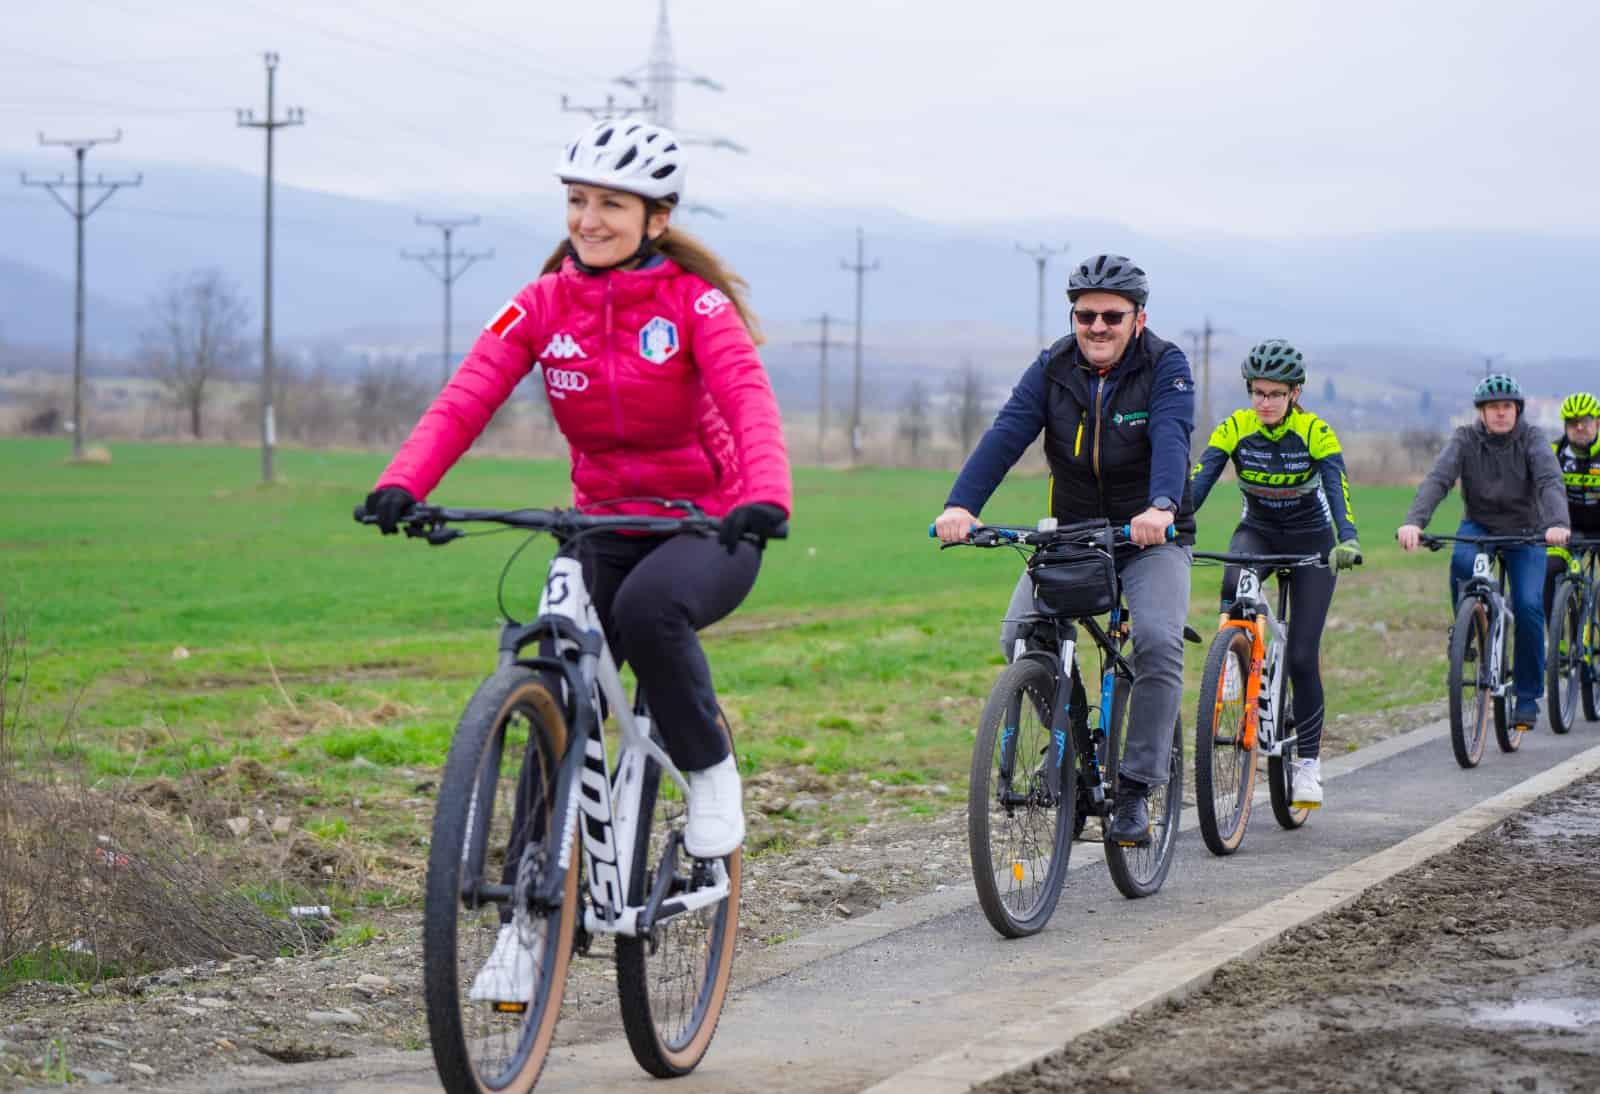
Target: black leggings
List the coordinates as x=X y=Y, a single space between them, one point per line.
x=652 y=594
x=1310 y=593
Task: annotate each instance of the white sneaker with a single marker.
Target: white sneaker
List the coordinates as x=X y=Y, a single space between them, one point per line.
x=1306 y=785
x=716 y=811
x=507 y=977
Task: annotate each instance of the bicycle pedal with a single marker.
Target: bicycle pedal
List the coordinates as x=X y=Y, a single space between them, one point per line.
x=1305 y=805
x=509 y=1007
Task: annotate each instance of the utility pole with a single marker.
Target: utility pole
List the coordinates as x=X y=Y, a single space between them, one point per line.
x=449 y=273
x=860 y=269
x=1488 y=362
x=1041 y=255
x=610 y=109
x=1202 y=339
x=823 y=344
x=80 y=148
x=294 y=116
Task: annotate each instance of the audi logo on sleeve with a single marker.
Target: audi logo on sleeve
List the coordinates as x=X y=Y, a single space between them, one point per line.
x=559 y=381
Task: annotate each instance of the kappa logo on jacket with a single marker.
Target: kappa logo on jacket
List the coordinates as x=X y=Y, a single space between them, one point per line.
x=658 y=340
x=563 y=347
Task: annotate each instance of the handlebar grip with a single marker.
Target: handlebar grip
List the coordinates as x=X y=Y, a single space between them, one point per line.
x=362 y=516
x=1172 y=532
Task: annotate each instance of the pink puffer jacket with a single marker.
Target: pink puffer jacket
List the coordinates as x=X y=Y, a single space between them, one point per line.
x=652 y=377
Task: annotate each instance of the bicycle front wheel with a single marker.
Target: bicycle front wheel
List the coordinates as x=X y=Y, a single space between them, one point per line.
x=1280 y=768
x=673 y=984
x=1590 y=692
x=1564 y=654
x=1139 y=871
x=1019 y=829
x=1224 y=769
x=494 y=808
x=1468 y=684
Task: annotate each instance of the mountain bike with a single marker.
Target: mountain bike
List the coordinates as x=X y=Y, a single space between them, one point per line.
x=526 y=788
x=1572 y=639
x=1039 y=768
x=1246 y=707
x=1481 y=650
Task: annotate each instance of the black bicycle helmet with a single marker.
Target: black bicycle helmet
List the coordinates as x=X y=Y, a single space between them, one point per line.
x=1274 y=360
x=1109 y=273
x=1492 y=389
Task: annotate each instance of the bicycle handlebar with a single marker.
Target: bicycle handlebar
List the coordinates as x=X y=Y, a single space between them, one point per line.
x=430 y=521
x=1436 y=542
x=1274 y=562
x=1009 y=535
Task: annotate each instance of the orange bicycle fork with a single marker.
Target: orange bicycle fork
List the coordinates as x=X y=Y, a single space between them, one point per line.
x=1252 y=684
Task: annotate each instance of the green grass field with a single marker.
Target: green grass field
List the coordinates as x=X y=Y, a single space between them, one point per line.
x=341 y=658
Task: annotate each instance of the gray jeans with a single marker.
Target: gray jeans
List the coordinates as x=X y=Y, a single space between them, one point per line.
x=1155 y=583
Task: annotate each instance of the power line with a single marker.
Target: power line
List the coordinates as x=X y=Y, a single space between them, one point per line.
x=860 y=269
x=294 y=116
x=80 y=148
x=449 y=273
x=1041 y=255
x=823 y=344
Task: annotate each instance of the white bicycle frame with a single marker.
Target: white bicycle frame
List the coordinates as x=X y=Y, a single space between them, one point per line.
x=1267 y=739
x=610 y=803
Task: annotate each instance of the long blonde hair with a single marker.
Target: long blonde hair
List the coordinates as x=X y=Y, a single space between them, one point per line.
x=696 y=258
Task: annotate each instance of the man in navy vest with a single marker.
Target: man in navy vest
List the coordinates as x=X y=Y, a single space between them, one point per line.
x=1116 y=407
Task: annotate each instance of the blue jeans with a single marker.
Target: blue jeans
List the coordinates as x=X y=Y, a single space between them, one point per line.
x=1525 y=567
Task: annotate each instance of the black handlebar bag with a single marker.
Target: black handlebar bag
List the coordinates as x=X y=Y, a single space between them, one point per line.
x=1073 y=581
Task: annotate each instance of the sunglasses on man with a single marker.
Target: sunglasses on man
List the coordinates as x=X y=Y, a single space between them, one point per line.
x=1113 y=318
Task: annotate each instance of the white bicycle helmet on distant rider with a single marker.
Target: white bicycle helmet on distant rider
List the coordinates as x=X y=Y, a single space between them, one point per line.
x=632 y=156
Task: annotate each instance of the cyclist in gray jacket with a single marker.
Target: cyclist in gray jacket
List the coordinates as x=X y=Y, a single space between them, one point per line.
x=1511 y=485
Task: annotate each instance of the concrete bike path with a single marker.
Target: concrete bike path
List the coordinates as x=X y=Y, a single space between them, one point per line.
x=931 y=975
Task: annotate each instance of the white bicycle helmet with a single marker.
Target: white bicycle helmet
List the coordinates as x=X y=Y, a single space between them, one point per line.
x=632 y=156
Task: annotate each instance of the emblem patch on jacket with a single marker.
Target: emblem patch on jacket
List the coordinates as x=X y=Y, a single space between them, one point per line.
x=504 y=319
x=711 y=302
x=658 y=340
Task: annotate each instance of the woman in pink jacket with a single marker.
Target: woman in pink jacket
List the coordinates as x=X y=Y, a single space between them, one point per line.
x=647 y=351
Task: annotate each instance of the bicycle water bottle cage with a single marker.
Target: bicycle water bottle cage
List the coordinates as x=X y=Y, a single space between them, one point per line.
x=1073 y=581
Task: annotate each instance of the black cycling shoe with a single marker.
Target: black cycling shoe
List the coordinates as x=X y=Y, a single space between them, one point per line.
x=1130 y=817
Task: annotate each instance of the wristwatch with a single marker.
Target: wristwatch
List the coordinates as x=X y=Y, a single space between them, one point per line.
x=1164 y=502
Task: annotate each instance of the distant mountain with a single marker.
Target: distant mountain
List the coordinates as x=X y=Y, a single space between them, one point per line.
x=1400 y=310
x=36 y=309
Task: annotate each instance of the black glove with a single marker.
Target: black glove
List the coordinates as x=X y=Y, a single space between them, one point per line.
x=390 y=504
x=759 y=519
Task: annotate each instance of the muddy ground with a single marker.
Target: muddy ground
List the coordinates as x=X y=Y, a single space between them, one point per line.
x=821 y=849
x=1478 y=970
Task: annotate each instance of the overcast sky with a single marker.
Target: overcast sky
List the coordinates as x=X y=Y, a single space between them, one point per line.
x=1244 y=117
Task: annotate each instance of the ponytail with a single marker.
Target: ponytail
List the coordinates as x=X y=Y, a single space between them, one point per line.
x=693 y=257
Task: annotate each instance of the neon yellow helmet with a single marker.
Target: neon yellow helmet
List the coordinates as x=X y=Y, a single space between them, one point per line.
x=1580 y=405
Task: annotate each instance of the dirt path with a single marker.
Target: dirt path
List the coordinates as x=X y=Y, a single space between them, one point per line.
x=1478 y=970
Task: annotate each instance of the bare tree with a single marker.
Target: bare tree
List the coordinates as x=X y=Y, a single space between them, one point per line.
x=966 y=405
x=914 y=427
x=389 y=398
x=198 y=336
x=312 y=403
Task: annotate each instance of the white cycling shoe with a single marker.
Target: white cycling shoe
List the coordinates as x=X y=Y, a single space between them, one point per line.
x=507 y=977
x=716 y=811
x=1306 y=784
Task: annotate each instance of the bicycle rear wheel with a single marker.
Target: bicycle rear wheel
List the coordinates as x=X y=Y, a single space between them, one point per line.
x=672 y=985
x=1139 y=871
x=1590 y=691
x=1505 y=734
x=1019 y=830
x=1564 y=654
x=1224 y=770
x=1469 y=691
x=494 y=808
x=1280 y=768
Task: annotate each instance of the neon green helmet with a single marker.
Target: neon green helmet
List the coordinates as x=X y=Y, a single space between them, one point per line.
x=1580 y=405
x=1493 y=389
x=1274 y=360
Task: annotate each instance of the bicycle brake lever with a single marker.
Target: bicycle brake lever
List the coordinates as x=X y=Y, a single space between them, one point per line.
x=438 y=537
